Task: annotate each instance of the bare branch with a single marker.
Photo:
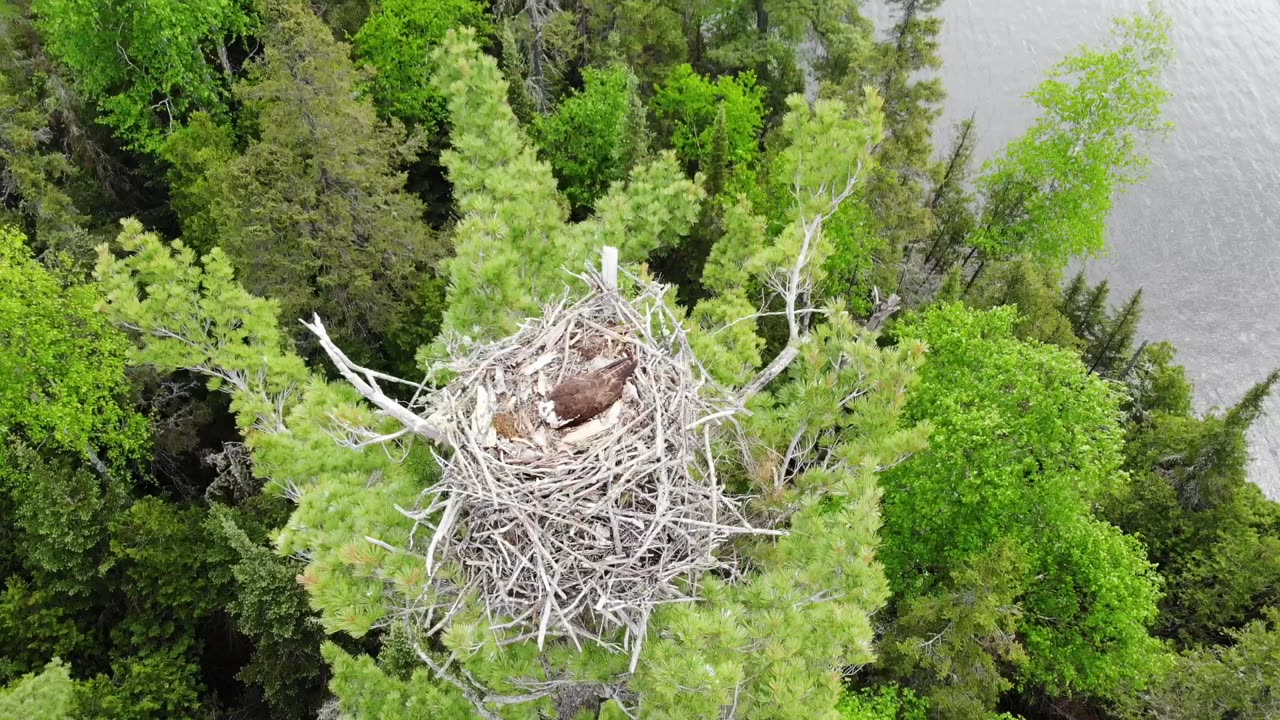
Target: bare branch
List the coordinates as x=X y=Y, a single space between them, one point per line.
x=368 y=387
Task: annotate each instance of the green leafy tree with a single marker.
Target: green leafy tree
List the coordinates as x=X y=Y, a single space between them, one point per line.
x=1025 y=442
x=147 y=65
x=688 y=106
x=886 y=702
x=595 y=137
x=396 y=43
x=1048 y=194
x=62 y=363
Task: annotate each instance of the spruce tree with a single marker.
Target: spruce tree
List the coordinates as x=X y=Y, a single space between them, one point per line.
x=912 y=103
x=314 y=212
x=1110 y=352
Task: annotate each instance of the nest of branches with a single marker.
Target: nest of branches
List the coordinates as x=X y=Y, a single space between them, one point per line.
x=579 y=530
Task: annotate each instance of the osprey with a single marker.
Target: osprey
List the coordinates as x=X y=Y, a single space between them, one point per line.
x=581 y=398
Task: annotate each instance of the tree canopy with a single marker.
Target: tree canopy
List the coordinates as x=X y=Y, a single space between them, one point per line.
x=962 y=487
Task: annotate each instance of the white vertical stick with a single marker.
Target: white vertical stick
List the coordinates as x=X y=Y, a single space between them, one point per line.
x=609 y=266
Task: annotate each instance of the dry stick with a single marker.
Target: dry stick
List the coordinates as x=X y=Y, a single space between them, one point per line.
x=369 y=390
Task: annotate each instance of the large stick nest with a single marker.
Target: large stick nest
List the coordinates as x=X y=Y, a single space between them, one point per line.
x=582 y=530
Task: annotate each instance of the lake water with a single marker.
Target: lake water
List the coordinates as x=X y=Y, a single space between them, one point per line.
x=1200 y=234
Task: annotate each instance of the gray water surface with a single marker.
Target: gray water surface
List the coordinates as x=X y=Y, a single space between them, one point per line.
x=1199 y=234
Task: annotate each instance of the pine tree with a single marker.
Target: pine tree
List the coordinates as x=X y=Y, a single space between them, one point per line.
x=951 y=203
x=49 y=695
x=1109 y=356
x=807 y=601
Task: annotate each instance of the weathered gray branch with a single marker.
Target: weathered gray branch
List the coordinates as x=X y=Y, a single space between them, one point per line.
x=363 y=380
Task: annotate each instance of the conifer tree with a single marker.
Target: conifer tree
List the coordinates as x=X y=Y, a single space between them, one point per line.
x=314 y=213
x=49 y=695
x=951 y=203
x=1240 y=680
x=32 y=177
x=1110 y=352
x=896 y=192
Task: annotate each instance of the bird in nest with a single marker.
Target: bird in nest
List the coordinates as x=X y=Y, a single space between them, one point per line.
x=585 y=396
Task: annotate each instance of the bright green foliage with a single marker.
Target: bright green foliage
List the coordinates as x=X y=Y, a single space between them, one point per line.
x=1157 y=385
x=1240 y=681
x=396 y=42
x=887 y=702
x=199 y=318
x=594 y=137
x=1025 y=442
x=856 y=254
x=38 y=625
x=823 y=160
x=783 y=610
x=513 y=239
x=159 y=685
x=1048 y=194
x=314 y=214
x=50 y=695
x=687 y=106
x=953 y=643
x=365 y=691
x=62 y=363
x=148 y=64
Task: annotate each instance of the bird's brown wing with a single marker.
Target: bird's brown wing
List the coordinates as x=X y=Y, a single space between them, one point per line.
x=579 y=399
